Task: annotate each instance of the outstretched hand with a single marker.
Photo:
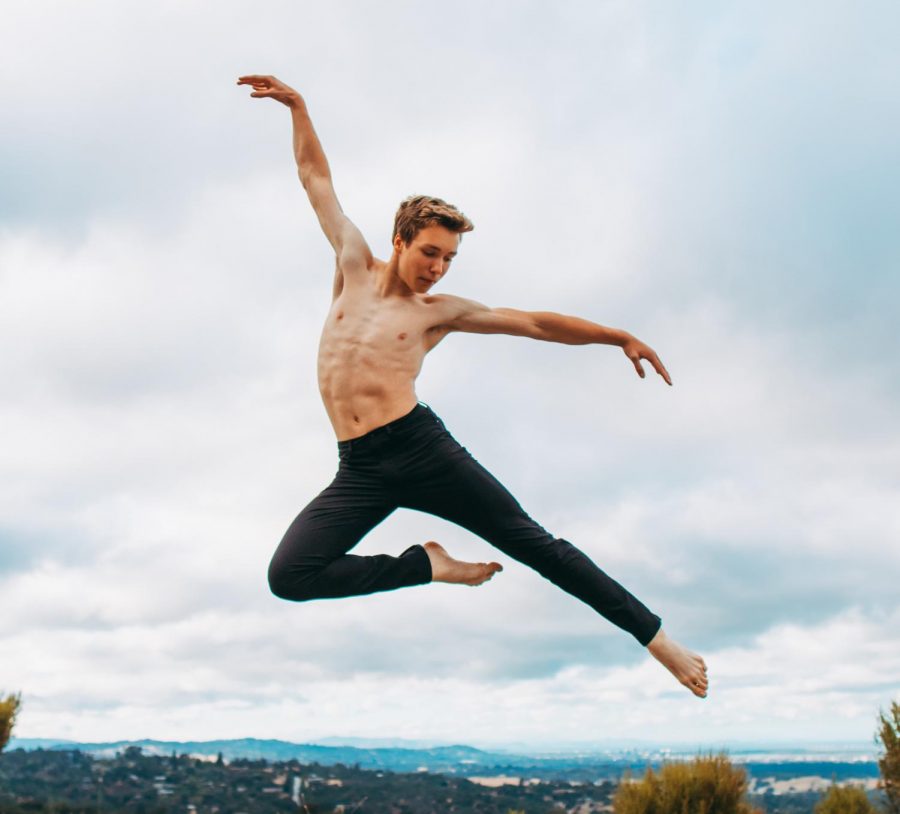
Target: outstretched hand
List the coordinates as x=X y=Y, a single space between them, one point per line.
x=637 y=350
x=272 y=88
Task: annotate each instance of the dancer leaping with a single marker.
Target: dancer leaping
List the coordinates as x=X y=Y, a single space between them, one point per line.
x=393 y=450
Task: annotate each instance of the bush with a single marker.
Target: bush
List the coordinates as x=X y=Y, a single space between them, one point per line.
x=9 y=708
x=845 y=800
x=889 y=763
x=706 y=785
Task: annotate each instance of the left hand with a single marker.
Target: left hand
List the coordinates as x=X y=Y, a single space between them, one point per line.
x=271 y=88
x=636 y=350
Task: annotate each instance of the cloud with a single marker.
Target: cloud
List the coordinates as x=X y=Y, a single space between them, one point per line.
x=787 y=679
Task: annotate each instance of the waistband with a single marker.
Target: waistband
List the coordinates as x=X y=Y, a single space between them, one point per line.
x=414 y=416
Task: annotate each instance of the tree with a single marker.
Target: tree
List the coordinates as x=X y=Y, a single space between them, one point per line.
x=845 y=800
x=706 y=785
x=9 y=709
x=889 y=763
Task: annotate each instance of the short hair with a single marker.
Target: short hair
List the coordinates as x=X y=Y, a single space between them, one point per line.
x=419 y=211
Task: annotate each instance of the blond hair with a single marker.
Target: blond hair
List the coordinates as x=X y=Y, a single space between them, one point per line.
x=419 y=211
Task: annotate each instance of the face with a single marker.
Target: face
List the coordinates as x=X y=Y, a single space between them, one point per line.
x=427 y=258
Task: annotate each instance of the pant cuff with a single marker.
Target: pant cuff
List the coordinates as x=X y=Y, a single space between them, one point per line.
x=419 y=564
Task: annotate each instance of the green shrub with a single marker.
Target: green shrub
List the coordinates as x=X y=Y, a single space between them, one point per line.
x=845 y=800
x=889 y=763
x=705 y=785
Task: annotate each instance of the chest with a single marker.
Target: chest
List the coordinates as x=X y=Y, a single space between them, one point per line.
x=377 y=324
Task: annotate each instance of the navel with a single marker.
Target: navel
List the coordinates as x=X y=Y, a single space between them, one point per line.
x=356 y=419
x=401 y=336
x=340 y=315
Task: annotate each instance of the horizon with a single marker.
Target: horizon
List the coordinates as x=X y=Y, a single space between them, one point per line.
x=612 y=746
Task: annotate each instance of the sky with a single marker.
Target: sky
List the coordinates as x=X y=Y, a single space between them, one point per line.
x=721 y=180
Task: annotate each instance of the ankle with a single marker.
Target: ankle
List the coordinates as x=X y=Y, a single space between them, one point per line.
x=659 y=641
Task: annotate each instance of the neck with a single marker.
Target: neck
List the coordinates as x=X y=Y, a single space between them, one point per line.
x=389 y=283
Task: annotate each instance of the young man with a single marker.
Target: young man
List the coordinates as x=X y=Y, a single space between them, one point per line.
x=394 y=451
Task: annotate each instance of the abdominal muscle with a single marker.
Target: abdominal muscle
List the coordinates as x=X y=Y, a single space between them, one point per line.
x=370 y=353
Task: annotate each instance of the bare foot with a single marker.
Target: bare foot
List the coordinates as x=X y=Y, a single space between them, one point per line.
x=445 y=569
x=686 y=666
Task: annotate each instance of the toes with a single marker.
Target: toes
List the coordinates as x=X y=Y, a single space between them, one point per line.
x=697 y=688
x=483 y=574
x=697 y=685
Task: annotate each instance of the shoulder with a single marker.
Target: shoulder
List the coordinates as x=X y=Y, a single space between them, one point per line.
x=445 y=313
x=468 y=316
x=460 y=314
x=353 y=272
x=449 y=308
x=357 y=266
x=354 y=255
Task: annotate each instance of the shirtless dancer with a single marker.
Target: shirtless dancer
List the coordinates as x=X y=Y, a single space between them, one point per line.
x=394 y=451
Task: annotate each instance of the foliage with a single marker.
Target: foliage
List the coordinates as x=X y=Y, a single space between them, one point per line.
x=889 y=763
x=706 y=785
x=62 y=781
x=9 y=709
x=845 y=800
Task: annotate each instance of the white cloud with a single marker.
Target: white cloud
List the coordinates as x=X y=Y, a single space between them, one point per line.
x=824 y=682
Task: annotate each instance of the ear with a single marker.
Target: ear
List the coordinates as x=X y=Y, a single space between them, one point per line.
x=398 y=243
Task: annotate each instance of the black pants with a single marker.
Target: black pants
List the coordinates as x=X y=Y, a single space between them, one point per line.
x=415 y=463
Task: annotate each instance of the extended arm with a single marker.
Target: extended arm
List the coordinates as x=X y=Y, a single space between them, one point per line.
x=472 y=317
x=315 y=174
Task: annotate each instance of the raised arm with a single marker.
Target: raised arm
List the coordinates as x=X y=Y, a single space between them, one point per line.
x=473 y=317
x=312 y=166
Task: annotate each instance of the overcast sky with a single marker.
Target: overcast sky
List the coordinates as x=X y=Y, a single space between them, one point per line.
x=719 y=179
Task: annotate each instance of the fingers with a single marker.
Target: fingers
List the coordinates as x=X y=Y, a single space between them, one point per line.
x=660 y=368
x=640 y=351
x=262 y=85
x=636 y=361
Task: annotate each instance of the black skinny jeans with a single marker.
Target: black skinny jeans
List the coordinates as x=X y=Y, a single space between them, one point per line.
x=415 y=463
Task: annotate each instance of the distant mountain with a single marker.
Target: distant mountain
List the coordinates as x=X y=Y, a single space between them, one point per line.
x=37 y=743
x=379 y=743
x=436 y=758
x=379 y=754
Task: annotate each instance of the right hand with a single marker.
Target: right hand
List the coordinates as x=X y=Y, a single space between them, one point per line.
x=637 y=350
x=269 y=86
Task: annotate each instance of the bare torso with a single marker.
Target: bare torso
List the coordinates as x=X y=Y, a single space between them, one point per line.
x=371 y=351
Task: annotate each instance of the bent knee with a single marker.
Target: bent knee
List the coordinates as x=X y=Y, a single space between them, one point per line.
x=291 y=584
